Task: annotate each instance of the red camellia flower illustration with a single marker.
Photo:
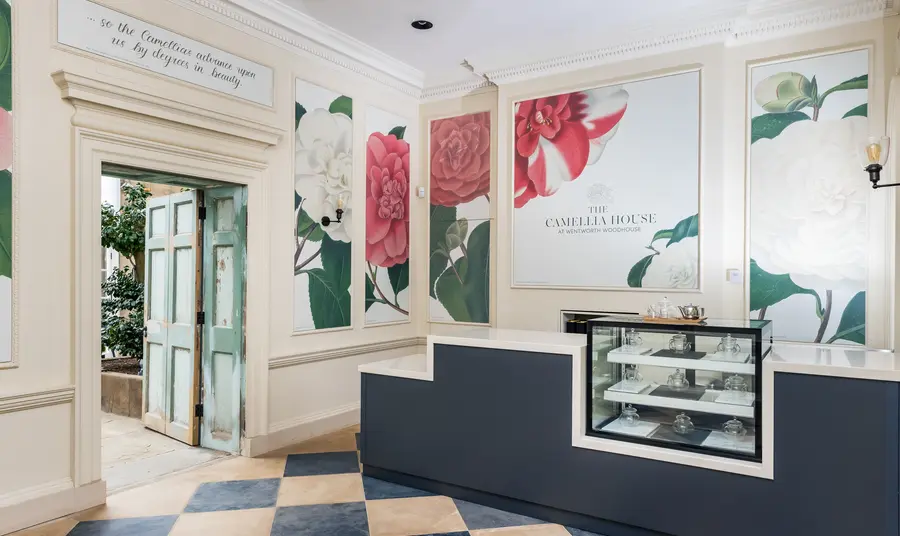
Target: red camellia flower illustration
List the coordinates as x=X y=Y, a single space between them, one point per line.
x=387 y=200
x=460 y=158
x=6 y=139
x=558 y=136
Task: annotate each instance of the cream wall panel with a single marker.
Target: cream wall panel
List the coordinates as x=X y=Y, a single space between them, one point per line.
x=41 y=435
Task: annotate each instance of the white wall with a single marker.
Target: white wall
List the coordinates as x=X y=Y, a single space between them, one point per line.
x=723 y=186
x=42 y=401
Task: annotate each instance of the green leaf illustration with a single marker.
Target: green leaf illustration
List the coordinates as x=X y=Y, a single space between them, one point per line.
x=456 y=234
x=661 y=235
x=767 y=126
x=6 y=244
x=686 y=228
x=6 y=59
x=862 y=111
x=638 y=271
x=768 y=289
x=370 y=293
x=477 y=281
x=330 y=307
x=853 y=321
x=342 y=105
x=440 y=219
x=304 y=223
x=336 y=261
x=784 y=92
x=399 y=276
x=299 y=112
x=860 y=82
x=398 y=132
x=449 y=291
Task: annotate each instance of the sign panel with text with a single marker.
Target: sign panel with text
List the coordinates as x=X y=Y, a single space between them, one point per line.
x=606 y=186
x=93 y=28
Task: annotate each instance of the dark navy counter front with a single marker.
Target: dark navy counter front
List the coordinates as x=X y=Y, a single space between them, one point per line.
x=493 y=425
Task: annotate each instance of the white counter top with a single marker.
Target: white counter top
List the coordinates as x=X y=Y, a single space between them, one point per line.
x=414 y=367
x=509 y=339
x=835 y=361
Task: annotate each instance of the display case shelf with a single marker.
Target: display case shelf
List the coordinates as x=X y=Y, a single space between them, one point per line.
x=706 y=404
x=709 y=362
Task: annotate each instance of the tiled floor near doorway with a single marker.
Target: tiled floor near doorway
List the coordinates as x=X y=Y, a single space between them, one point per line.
x=312 y=489
x=132 y=455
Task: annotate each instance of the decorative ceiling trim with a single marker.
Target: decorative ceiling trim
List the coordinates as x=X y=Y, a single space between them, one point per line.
x=733 y=32
x=298 y=31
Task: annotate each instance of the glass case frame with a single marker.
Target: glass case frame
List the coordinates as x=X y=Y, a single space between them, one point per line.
x=759 y=331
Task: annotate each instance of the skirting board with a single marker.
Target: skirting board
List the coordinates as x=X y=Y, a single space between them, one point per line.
x=286 y=433
x=47 y=502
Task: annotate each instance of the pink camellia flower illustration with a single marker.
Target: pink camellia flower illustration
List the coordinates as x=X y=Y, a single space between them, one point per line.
x=460 y=158
x=558 y=136
x=387 y=200
x=6 y=139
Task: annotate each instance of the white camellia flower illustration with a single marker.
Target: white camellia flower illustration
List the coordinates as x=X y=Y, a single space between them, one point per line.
x=674 y=267
x=324 y=162
x=808 y=198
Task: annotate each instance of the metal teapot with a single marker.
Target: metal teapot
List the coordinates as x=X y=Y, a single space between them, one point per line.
x=691 y=311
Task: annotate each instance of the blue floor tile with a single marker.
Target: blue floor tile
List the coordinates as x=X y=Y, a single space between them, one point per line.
x=135 y=526
x=482 y=517
x=234 y=495
x=324 y=463
x=345 y=519
x=379 y=489
x=579 y=532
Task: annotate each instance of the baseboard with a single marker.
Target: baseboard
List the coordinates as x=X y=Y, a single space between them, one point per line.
x=286 y=433
x=38 y=504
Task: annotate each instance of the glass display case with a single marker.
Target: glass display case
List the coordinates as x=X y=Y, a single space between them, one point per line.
x=690 y=386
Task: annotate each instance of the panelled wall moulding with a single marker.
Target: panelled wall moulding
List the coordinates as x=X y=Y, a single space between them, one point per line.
x=294 y=31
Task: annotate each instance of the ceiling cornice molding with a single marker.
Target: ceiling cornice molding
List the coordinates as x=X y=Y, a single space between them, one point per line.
x=733 y=32
x=295 y=31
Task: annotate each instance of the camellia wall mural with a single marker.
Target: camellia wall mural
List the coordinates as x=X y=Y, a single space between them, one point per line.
x=609 y=176
x=808 y=197
x=387 y=218
x=460 y=229
x=323 y=172
x=6 y=161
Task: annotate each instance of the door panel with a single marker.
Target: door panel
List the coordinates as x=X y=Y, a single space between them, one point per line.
x=223 y=302
x=171 y=373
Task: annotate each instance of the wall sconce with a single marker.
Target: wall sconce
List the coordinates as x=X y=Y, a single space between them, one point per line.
x=874 y=156
x=342 y=199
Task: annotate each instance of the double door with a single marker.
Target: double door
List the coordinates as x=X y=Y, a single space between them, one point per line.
x=194 y=296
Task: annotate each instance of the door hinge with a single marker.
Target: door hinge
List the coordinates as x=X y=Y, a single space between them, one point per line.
x=201 y=212
x=198 y=410
x=201 y=318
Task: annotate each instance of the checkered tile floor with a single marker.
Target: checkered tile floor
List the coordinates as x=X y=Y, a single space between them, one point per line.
x=313 y=489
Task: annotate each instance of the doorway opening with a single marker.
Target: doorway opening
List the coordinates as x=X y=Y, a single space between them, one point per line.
x=172 y=322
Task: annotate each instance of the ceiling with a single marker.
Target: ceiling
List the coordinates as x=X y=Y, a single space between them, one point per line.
x=494 y=34
x=497 y=37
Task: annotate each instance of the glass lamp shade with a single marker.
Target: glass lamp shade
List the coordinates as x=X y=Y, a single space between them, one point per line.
x=874 y=151
x=342 y=199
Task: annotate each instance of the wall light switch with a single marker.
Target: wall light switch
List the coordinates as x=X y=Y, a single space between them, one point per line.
x=734 y=276
x=421 y=192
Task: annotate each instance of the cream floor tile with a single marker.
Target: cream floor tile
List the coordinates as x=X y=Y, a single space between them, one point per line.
x=166 y=497
x=342 y=440
x=256 y=522
x=237 y=468
x=528 y=530
x=60 y=527
x=418 y=515
x=323 y=489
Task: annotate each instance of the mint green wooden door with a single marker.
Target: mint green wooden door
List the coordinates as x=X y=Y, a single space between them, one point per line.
x=224 y=246
x=171 y=364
